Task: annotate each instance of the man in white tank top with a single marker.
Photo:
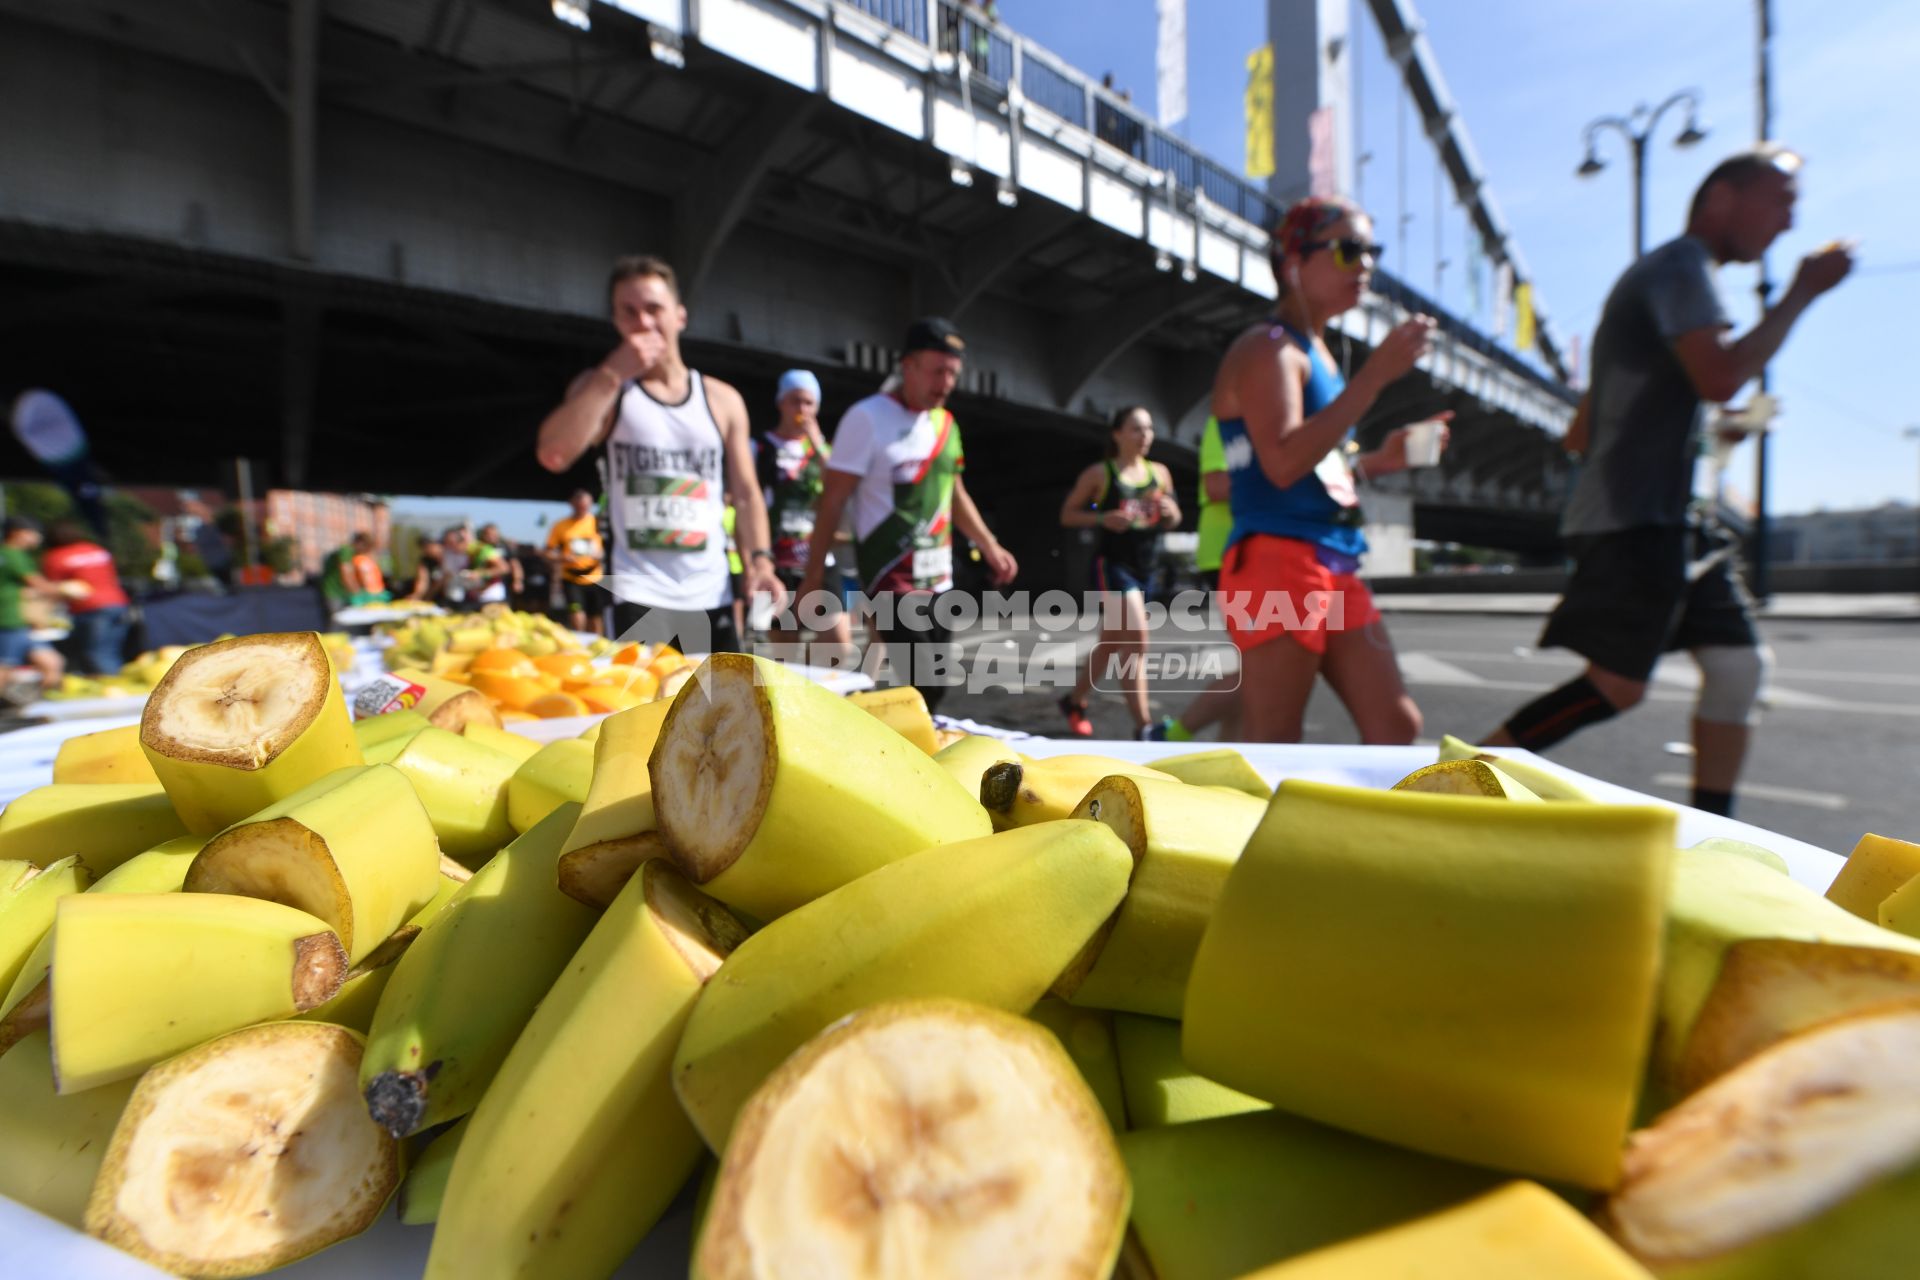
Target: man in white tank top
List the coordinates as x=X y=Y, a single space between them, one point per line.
x=677 y=449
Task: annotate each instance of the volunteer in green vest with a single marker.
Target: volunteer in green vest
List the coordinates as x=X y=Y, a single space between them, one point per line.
x=897 y=458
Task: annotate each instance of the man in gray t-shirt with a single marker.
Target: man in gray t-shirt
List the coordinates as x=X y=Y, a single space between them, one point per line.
x=1643 y=583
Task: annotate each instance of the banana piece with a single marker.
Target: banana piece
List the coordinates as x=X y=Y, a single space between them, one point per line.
x=920 y=1138
x=1393 y=962
x=966 y=759
x=138 y=977
x=1016 y=793
x=578 y=1145
x=1746 y=849
x=102 y=823
x=1544 y=783
x=1160 y=1087
x=771 y=791
x=1875 y=870
x=1719 y=899
x=992 y=920
x=558 y=773
x=1216 y=1198
x=505 y=741
x=355 y=849
x=465 y=989
x=374 y=731
x=245 y=1154
x=616 y=829
x=426 y=1184
x=29 y=914
x=14 y=875
x=1803 y=1161
x=51 y=1146
x=1900 y=911
x=1087 y=1036
x=903 y=709
x=445 y=704
x=1220 y=767
x=111 y=755
x=1466 y=778
x=1184 y=841
x=239 y=724
x=1520 y=1232
x=463 y=787
x=158 y=870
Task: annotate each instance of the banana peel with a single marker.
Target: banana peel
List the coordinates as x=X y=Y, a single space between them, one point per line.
x=1545 y=783
x=1087 y=1036
x=1019 y=792
x=559 y=773
x=1160 y=1087
x=1219 y=767
x=51 y=1145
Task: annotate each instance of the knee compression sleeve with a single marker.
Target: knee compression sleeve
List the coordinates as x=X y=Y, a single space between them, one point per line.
x=1731 y=677
x=1553 y=716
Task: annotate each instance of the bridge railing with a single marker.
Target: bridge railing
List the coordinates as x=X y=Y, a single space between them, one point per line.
x=998 y=58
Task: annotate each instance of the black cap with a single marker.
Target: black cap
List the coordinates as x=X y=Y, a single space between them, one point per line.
x=934 y=333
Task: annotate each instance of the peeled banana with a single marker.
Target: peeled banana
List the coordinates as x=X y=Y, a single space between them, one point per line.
x=138 y=977
x=991 y=920
x=355 y=849
x=1184 y=841
x=1394 y=962
x=578 y=1145
x=244 y=1154
x=239 y=724
x=771 y=791
x=465 y=989
x=919 y=1138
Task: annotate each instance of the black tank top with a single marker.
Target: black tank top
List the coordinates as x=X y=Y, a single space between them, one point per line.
x=1137 y=546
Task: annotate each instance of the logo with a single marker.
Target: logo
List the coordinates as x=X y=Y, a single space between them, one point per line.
x=1166 y=667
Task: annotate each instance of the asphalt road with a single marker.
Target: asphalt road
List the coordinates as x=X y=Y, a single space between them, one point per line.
x=1837 y=754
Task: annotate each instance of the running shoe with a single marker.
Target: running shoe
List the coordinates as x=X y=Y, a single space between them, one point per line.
x=1155 y=730
x=1076 y=715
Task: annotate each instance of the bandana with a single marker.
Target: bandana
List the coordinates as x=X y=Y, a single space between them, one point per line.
x=1307 y=220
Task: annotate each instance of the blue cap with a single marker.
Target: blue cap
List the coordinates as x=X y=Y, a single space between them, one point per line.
x=796 y=380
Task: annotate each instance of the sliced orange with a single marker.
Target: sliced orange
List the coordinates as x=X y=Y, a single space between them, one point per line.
x=667 y=661
x=509 y=716
x=628 y=655
x=502 y=662
x=641 y=682
x=608 y=698
x=566 y=667
x=515 y=692
x=555 y=705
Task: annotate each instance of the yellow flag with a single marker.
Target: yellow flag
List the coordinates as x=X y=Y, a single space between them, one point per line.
x=1260 y=112
x=1523 y=317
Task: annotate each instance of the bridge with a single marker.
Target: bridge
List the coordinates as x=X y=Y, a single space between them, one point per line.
x=363 y=243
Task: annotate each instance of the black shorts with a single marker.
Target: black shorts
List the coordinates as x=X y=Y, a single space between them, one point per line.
x=688 y=630
x=588 y=597
x=1639 y=593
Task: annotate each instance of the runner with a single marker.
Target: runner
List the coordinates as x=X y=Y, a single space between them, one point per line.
x=676 y=449
x=1646 y=579
x=493 y=561
x=574 y=547
x=1130 y=501
x=1219 y=702
x=791 y=463
x=897 y=458
x=1295 y=605
x=19 y=578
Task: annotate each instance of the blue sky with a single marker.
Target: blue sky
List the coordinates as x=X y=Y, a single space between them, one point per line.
x=1528 y=76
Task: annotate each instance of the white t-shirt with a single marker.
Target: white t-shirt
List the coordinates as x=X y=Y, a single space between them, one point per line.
x=883 y=442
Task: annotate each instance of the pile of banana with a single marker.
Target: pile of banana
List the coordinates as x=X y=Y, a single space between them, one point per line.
x=889 y=1008
x=138 y=677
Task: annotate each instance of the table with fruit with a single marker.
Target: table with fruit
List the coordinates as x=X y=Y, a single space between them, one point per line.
x=762 y=980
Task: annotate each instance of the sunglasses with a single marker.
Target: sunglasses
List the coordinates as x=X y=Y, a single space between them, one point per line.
x=1348 y=252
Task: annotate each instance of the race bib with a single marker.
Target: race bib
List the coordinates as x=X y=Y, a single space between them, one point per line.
x=667 y=513
x=933 y=567
x=583 y=548
x=797 y=521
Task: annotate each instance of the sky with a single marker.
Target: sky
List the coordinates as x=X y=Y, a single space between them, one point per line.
x=1527 y=76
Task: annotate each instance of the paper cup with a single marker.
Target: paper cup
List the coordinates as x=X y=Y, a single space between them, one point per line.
x=1423 y=443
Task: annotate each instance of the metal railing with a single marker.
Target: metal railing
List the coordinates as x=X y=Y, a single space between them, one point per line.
x=997 y=57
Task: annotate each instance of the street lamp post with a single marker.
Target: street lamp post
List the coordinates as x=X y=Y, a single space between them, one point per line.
x=1913 y=433
x=1638 y=129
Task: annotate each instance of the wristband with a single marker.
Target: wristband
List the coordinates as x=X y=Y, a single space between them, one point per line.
x=761 y=553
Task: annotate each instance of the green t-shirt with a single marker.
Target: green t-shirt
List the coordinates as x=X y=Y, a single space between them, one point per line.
x=16 y=564
x=1216 y=518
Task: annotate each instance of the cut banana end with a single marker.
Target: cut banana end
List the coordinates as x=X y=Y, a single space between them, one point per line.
x=1875 y=870
x=1544 y=783
x=1465 y=778
x=920 y=1138
x=771 y=791
x=238 y=724
x=247 y=1153
x=903 y=709
x=596 y=874
x=1804 y=1161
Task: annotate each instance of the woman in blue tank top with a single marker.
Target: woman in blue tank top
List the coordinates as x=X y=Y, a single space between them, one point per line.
x=1289 y=584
